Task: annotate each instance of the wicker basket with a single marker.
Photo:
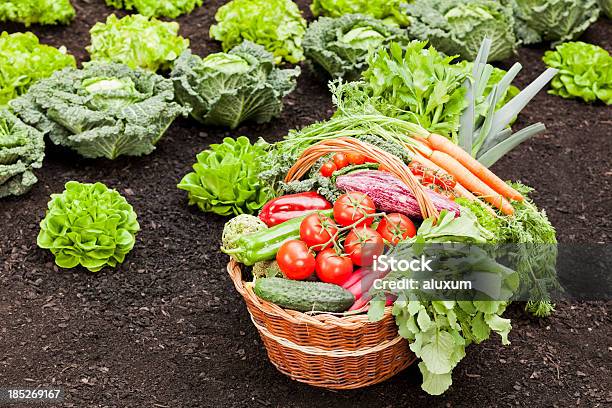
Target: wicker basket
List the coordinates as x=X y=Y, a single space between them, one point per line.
x=324 y=350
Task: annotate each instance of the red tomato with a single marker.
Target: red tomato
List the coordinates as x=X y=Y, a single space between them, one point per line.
x=295 y=260
x=351 y=207
x=362 y=244
x=340 y=160
x=316 y=230
x=416 y=168
x=396 y=227
x=370 y=160
x=328 y=169
x=428 y=177
x=355 y=158
x=333 y=268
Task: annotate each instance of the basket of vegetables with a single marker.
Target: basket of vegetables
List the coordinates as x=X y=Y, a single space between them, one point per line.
x=337 y=194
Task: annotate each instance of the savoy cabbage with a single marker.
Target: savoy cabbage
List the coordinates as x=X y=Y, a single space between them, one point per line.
x=102 y=110
x=22 y=149
x=341 y=45
x=553 y=20
x=227 y=89
x=458 y=27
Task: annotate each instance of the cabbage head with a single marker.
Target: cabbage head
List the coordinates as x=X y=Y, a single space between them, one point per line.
x=387 y=10
x=226 y=89
x=44 y=12
x=553 y=20
x=102 y=110
x=340 y=46
x=157 y=8
x=22 y=149
x=458 y=27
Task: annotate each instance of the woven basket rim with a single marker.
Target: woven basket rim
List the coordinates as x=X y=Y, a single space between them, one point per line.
x=353 y=321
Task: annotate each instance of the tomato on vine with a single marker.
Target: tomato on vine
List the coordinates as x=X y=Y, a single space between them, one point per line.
x=355 y=158
x=340 y=160
x=396 y=227
x=352 y=207
x=362 y=244
x=317 y=230
x=328 y=168
x=333 y=268
x=295 y=260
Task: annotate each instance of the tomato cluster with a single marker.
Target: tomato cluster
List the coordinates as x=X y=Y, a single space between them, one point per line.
x=331 y=248
x=341 y=160
x=433 y=179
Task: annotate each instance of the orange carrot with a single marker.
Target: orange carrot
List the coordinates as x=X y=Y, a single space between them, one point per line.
x=442 y=144
x=470 y=181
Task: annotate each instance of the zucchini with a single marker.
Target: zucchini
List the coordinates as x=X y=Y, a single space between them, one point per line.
x=304 y=296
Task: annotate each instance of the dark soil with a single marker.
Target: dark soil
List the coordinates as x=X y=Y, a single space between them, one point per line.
x=167 y=328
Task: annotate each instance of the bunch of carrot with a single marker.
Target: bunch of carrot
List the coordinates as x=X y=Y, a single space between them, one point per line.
x=438 y=152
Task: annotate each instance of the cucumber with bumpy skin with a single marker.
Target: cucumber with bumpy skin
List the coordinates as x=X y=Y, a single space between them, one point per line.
x=304 y=296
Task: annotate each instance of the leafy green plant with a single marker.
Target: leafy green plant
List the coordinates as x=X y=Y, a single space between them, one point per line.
x=341 y=45
x=485 y=131
x=102 y=110
x=457 y=27
x=278 y=25
x=23 y=61
x=606 y=7
x=22 y=149
x=30 y=12
x=585 y=71
x=553 y=20
x=413 y=83
x=136 y=41
x=228 y=89
x=225 y=180
x=157 y=8
x=89 y=225
x=387 y=10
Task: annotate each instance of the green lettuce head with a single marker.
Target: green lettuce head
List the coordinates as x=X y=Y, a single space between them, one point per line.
x=226 y=178
x=22 y=149
x=228 y=89
x=42 y=12
x=585 y=72
x=277 y=25
x=341 y=45
x=102 y=110
x=458 y=27
x=23 y=61
x=387 y=10
x=157 y=8
x=137 y=41
x=88 y=225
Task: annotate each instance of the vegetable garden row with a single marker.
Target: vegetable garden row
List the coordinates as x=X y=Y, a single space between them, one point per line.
x=420 y=117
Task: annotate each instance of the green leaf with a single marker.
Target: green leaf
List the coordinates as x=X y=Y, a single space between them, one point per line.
x=435 y=384
x=437 y=354
x=376 y=310
x=480 y=329
x=500 y=325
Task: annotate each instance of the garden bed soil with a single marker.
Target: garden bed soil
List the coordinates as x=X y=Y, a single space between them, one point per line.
x=167 y=328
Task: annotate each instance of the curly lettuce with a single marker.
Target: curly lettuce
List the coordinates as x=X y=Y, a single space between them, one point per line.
x=157 y=8
x=585 y=72
x=340 y=46
x=23 y=61
x=102 y=110
x=553 y=20
x=226 y=178
x=228 y=89
x=45 y=12
x=22 y=149
x=88 y=225
x=137 y=41
x=457 y=27
x=277 y=25
x=386 y=10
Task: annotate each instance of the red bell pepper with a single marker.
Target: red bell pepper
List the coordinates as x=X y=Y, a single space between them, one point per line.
x=291 y=206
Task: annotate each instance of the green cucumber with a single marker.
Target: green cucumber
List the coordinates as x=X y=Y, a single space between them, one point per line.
x=304 y=296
